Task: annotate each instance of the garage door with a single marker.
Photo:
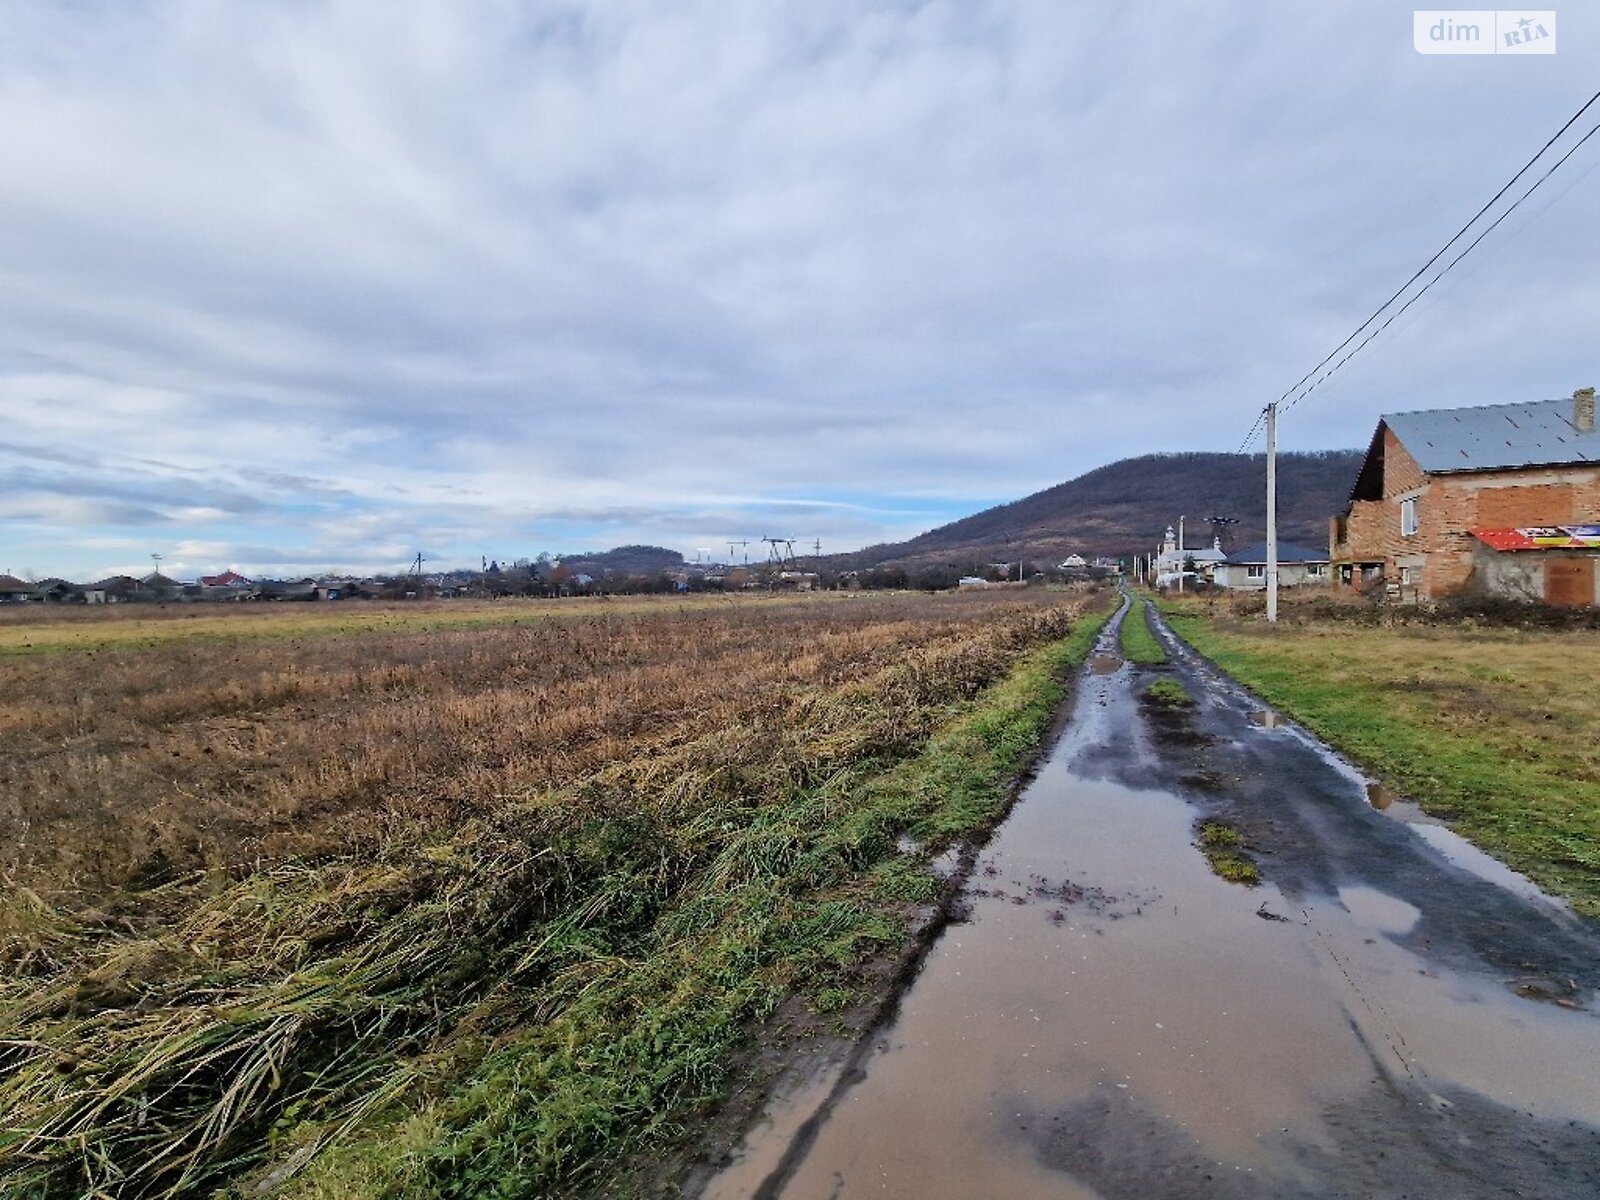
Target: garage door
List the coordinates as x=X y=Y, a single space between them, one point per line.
x=1569 y=582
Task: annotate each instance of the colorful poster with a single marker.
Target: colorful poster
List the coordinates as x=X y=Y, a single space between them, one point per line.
x=1542 y=537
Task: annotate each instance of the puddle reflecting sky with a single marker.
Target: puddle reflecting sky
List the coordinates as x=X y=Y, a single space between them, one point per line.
x=1114 y=1007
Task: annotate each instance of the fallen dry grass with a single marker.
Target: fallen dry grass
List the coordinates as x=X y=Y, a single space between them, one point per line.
x=132 y=767
x=28 y=629
x=276 y=888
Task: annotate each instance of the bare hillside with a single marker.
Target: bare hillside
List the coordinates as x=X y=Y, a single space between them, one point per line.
x=1123 y=509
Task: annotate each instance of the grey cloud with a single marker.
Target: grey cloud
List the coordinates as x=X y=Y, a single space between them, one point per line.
x=511 y=268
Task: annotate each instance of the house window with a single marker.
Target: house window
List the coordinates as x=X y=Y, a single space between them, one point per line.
x=1317 y=570
x=1408 y=518
x=1255 y=572
x=1410 y=576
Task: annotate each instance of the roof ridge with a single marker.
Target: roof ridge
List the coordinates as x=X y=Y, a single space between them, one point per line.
x=1418 y=412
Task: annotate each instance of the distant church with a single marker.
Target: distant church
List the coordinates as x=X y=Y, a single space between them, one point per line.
x=1170 y=559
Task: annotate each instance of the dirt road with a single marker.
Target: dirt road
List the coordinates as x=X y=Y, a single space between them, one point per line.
x=1390 y=1014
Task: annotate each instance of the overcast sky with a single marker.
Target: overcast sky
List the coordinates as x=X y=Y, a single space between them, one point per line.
x=292 y=286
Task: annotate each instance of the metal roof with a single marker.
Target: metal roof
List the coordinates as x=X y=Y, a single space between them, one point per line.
x=1494 y=437
x=1288 y=552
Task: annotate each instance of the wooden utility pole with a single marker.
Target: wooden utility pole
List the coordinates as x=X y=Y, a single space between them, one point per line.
x=1272 y=513
x=1180 y=555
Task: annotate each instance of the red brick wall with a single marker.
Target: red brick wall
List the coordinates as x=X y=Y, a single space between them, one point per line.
x=1531 y=504
x=1454 y=505
x=1450 y=507
x=1400 y=470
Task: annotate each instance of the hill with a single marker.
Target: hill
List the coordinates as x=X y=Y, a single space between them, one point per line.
x=625 y=560
x=1124 y=508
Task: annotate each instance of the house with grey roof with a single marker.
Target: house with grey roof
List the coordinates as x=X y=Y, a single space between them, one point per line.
x=1246 y=570
x=1441 y=493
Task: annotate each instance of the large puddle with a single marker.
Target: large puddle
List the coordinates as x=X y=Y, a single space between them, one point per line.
x=1112 y=1012
x=1456 y=848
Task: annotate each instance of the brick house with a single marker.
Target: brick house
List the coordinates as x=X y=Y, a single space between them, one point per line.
x=1439 y=490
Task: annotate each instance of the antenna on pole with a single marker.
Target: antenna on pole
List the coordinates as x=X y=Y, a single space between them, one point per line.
x=816 y=547
x=1218 y=524
x=416 y=566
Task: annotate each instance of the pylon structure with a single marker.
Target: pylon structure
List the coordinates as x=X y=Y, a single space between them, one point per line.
x=780 y=551
x=1219 y=526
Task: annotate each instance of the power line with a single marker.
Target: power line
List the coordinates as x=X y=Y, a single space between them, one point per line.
x=1261 y=419
x=1421 y=292
x=1422 y=270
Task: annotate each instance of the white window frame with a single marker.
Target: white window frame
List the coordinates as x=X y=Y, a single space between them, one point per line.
x=1255 y=571
x=1408 y=517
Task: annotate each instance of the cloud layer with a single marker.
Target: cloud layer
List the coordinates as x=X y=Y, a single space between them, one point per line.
x=291 y=287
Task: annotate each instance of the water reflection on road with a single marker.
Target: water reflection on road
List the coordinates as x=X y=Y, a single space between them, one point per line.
x=1116 y=1021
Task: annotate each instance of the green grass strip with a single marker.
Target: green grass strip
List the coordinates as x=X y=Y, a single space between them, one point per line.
x=1139 y=645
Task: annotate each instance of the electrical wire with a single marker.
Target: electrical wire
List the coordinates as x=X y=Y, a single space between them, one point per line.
x=1445 y=271
x=1261 y=419
x=1422 y=270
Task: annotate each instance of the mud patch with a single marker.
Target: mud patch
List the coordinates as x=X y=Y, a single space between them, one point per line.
x=1105 y=664
x=1564 y=993
x=1181 y=733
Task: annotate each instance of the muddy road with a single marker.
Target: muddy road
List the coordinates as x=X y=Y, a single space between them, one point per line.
x=1390 y=1014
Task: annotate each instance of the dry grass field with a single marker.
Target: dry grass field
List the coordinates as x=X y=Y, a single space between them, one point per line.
x=462 y=901
x=41 y=629
x=248 y=739
x=1495 y=727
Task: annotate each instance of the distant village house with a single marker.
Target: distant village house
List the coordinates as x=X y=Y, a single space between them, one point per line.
x=14 y=590
x=1246 y=570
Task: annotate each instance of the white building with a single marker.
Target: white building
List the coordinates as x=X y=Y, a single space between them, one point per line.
x=1170 y=559
x=1246 y=569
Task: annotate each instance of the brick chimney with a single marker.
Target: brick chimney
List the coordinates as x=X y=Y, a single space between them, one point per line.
x=1583 y=410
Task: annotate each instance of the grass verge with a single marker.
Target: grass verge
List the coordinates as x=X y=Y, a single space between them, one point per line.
x=1139 y=645
x=1492 y=729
